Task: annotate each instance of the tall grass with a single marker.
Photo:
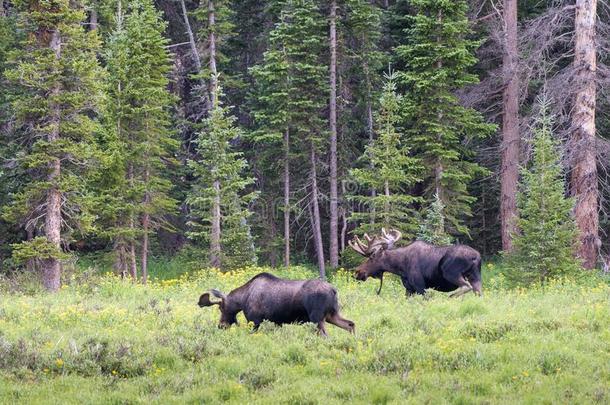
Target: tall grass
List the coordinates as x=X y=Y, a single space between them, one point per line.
x=105 y=340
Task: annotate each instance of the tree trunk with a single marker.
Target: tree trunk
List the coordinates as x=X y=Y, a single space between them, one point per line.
x=343 y=220
x=509 y=174
x=133 y=265
x=287 y=198
x=144 y=263
x=194 y=51
x=386 y=208
x=93 y=20
x=584 y=171
x=369 y=128
x=438 y=166
x=212 y=49
x=189 y=31
x=51 y=270
x=315 y=215
x=334 y=214
x=215 y=248
x=145 y=228
x=271 y=244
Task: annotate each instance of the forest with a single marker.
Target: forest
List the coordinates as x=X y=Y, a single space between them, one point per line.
x=231 y=133
x=199 y=200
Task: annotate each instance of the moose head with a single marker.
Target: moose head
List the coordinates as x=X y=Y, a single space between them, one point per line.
x=228 y=311
x=374 y=249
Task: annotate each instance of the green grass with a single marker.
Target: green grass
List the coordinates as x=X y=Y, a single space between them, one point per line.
x=104 y=340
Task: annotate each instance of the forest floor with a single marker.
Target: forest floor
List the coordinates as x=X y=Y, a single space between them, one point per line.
x=105 y=340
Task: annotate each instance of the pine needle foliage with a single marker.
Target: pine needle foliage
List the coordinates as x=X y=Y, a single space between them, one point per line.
x=217 y=161
x=438 y=60
x=432 y=229
x=390 y=170
x=56 y=91
x=545 y=245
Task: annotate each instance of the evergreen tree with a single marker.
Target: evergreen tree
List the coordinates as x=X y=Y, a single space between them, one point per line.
x=437 y=60
x=545 y=245
x=432 y=229
x=390 y=170
x=217 y=163
x=140 y=143
x=288 y=108
x=57 y=91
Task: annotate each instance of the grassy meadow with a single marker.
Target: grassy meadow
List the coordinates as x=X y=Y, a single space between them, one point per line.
x=105 y=340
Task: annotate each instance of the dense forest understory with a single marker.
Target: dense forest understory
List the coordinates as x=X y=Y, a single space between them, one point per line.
x=272 y=132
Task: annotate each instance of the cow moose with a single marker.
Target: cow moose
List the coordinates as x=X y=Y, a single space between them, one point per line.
x=267 y=297
x=420 y=265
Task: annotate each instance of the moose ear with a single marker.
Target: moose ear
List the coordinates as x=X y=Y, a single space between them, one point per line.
x=205 y=301
x=218 y=294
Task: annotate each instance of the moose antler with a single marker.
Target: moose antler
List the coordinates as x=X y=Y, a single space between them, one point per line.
x=375 y=243
x=390 y=237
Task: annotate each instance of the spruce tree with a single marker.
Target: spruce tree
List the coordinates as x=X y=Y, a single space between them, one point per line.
x=389 y=169
x=545 y=246
x=437 y=61
x=140 y=142
x=288 y=108
x=56 y=81
x=432 y=229
x=218 y=163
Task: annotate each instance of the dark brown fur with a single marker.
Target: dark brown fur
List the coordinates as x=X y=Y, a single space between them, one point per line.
x=421 y=265
x=266 y=297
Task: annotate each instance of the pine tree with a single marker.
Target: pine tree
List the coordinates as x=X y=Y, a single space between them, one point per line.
x=288 y=106
x=545 y=245
x=56 y=81
x=390 y=169
x=437 y=62
x=140 y=143
x=432 y=229
x=217 y=163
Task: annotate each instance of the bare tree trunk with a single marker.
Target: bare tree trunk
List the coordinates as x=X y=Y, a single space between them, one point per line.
x=144 y=263
x=133 y=265
x=51 y=271
x=215 y=248
x=386 y=208
x=343 y=220
x=271 y=244
x=212 y=49
x=194 y=50
x=189 y=31
x=438 y=166
x=369 y=127
x=317 y=232
x=334 y=215
x=510 y=127
x=93 y=23
x=584 y=179
x=287 y=197
x=145 y=229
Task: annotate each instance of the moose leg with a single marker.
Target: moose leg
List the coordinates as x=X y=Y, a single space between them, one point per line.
x=463 y=286
x=341 y=322
x=322 y=329
x=414 y=282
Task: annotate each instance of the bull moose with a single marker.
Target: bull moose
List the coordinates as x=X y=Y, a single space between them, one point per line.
x=420 y=265
x=267 y=297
